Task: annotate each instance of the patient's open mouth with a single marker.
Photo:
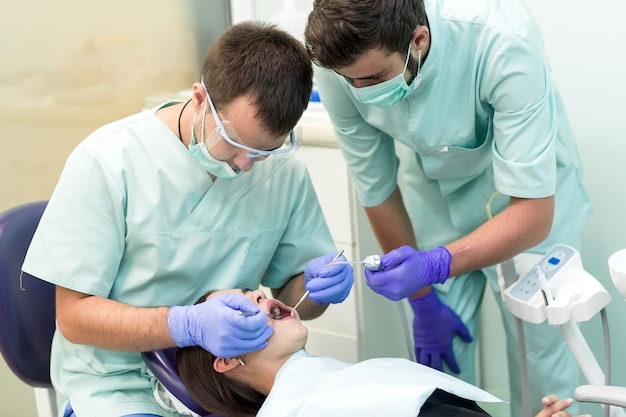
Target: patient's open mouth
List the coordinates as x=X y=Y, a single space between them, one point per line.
x=277 y=310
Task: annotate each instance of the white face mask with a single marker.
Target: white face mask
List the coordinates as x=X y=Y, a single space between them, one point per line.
x=217 y=168
x=392 y=91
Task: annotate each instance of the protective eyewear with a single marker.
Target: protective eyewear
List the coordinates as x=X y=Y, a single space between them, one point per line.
x=295 y=136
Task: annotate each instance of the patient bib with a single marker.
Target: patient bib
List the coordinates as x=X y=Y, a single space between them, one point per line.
x=308 y=386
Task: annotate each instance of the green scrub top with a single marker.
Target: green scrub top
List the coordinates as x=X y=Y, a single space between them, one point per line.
x=135 y=219
x=486 y=117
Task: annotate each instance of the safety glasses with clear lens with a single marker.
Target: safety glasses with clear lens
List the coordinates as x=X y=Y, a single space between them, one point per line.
x=295 y=137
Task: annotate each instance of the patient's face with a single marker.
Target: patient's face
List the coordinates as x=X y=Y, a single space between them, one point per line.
x=289 y=335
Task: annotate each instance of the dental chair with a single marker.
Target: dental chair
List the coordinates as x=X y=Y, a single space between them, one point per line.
x=27 y=312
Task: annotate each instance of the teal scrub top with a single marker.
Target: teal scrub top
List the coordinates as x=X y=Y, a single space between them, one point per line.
x=486 y=117
x=135 y=219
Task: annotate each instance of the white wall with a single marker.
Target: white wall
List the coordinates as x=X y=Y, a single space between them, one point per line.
x=290 y=15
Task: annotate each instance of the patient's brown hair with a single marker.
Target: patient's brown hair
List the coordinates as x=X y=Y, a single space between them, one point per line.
x=212 y=390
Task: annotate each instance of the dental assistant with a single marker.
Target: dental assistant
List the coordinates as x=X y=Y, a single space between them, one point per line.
x=460 y=149
x=152 y=209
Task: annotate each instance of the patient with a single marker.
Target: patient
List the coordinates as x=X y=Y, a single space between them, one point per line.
x=283 y=380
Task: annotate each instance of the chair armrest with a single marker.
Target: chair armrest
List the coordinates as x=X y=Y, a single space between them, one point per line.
x=602 y=394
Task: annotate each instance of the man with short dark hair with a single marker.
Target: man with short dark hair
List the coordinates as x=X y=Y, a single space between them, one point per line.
x=460 y=149
x=158 y=207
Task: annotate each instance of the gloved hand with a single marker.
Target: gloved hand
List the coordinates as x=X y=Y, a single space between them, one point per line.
x=405 y=271
x=217 y=326
x=434 y=327
x=328 y=284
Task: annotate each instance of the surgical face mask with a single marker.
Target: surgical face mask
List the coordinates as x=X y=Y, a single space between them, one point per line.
x=392 y=91
x=199 y=151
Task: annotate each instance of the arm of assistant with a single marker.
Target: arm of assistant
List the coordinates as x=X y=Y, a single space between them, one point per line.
x=434 y=323
x=523 y=224
x=215 y=324
x=411 y=272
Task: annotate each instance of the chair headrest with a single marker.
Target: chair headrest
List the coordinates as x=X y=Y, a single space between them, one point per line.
x=162 y=363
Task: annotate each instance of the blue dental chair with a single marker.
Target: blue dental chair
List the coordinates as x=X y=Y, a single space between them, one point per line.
x=27 y=302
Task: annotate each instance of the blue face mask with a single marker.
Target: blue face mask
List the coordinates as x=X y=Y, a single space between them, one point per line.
x=219 y=169
x=392 y=91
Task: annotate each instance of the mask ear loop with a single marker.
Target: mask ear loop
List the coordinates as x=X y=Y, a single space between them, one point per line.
x=419 y=64
x=203 y=119
x=408 y=54
x=419 y=60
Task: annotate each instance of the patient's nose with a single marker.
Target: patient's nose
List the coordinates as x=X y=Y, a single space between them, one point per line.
x=257 y=296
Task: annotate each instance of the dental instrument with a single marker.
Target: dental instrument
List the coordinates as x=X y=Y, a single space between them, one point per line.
x=371 y=262
x=306 y=293
x=543 y=284
x=250 y=313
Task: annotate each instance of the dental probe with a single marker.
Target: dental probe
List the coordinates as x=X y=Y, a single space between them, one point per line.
x=306 y=293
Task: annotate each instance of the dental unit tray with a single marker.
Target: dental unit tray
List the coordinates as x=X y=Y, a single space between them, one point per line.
x=559 y=290
x=578 y=296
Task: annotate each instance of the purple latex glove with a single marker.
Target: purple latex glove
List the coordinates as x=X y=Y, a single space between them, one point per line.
x=434 y=327
x=217 y=326
x=405 y=271
x=328 y=284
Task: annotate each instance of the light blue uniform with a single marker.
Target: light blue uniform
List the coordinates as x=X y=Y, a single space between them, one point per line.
x=135 y=219
x=486 y=117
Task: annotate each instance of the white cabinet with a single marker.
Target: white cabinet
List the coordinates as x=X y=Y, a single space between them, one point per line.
x=366 y=325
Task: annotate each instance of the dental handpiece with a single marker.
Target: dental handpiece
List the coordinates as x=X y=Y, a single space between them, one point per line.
x=371 y=262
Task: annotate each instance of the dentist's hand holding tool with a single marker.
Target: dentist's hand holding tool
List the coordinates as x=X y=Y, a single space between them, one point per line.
x=405 y=271
x=327 y=284
x=218 y=325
